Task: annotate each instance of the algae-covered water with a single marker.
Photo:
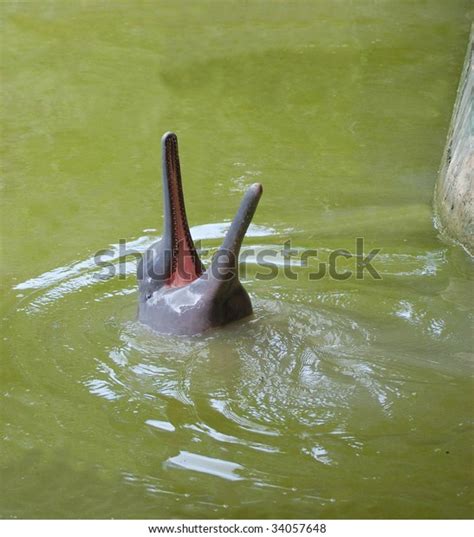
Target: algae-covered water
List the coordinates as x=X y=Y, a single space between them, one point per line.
x=339 y=398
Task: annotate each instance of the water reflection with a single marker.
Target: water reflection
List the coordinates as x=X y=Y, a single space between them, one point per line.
x=316 y=379
x=207 y=465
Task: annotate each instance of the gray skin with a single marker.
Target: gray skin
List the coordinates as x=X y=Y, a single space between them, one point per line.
x=176 y=294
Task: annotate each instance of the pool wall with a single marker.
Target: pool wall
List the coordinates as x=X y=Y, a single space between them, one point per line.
x=453 y=200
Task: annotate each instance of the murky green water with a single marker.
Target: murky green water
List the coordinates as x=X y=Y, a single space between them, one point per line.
x=339 y=398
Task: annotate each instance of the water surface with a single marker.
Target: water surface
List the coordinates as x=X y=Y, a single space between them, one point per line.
x=338 y=398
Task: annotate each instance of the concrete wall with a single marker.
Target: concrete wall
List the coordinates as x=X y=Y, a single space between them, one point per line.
x=454 y=205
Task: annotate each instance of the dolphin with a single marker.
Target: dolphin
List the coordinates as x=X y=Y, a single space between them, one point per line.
x=177 y=295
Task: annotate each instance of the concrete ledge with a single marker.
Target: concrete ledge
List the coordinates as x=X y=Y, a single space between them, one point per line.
x=453 y=200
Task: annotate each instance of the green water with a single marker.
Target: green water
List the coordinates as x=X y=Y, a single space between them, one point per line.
x=338 y=398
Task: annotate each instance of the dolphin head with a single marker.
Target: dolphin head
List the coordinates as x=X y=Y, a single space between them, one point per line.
x=173 y=263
